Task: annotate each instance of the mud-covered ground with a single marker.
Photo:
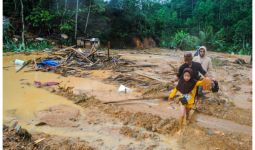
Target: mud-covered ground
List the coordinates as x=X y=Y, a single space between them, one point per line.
x=75 y=114
x=16 y=140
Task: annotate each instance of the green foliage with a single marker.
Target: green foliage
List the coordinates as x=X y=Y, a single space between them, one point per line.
x=6 y=28
x=166 y=40
x=206 y=36
x=66 y=27
x=38 y=45
x=40 y=17
x=220 y=25
x=6 y=24
x=11 y=46
x=184 y=41
x=218 y=40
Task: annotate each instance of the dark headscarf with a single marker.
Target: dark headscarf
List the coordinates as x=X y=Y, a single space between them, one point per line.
x=186 y=86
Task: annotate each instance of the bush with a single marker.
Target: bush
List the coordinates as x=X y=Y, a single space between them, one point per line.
x=11 y=46
x=165 y=40
x=40 y=18
x=206 y=36
x=184 y=41
x=66 y=27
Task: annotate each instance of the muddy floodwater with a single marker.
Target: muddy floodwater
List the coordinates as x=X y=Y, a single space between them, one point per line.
x=32 y=106
x=22 y=101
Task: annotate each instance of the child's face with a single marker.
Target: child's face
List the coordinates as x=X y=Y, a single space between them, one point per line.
x=186 y=76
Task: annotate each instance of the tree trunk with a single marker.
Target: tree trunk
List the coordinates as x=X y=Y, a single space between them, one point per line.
x=76 y=19
x=23 y=25
x=15 y=5
x=192 y=5
x=219 y=10
x=65 y=6
x=87 y=20
x=57 y=6
x=64 y=12
x=244 y=42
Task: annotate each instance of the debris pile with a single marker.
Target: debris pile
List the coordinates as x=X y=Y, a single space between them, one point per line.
x=72 y=61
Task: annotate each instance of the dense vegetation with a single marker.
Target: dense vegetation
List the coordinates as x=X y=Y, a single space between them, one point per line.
x=221 y=25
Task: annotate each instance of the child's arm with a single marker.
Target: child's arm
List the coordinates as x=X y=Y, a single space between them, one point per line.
x=172 y=94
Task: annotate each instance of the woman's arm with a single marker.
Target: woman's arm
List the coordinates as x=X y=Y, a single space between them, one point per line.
x=206 y=83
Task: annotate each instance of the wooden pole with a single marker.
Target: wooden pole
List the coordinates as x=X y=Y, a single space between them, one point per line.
x=137 y=99
x=87 y=20
x=23 y=24
x=108 y=50
x=76 y=19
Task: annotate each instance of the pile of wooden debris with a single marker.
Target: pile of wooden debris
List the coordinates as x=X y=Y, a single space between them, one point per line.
x=72 y=61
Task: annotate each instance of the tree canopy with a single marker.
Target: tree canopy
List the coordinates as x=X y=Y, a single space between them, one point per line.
x=221 y=25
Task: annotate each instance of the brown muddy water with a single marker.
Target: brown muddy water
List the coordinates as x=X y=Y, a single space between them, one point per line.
x=21 y=99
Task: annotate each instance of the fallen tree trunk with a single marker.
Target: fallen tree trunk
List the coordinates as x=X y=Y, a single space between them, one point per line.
x=137 y=99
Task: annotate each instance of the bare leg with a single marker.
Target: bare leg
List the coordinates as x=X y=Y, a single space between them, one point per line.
x=183 y=114
x=187 y=112
x=191 y=112
x=182 y=120
x=187 y=115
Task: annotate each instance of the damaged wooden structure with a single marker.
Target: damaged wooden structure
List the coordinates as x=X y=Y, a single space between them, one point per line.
x=73 y=61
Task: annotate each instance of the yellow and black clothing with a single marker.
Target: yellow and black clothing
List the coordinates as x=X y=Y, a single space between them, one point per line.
x=189 y=96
